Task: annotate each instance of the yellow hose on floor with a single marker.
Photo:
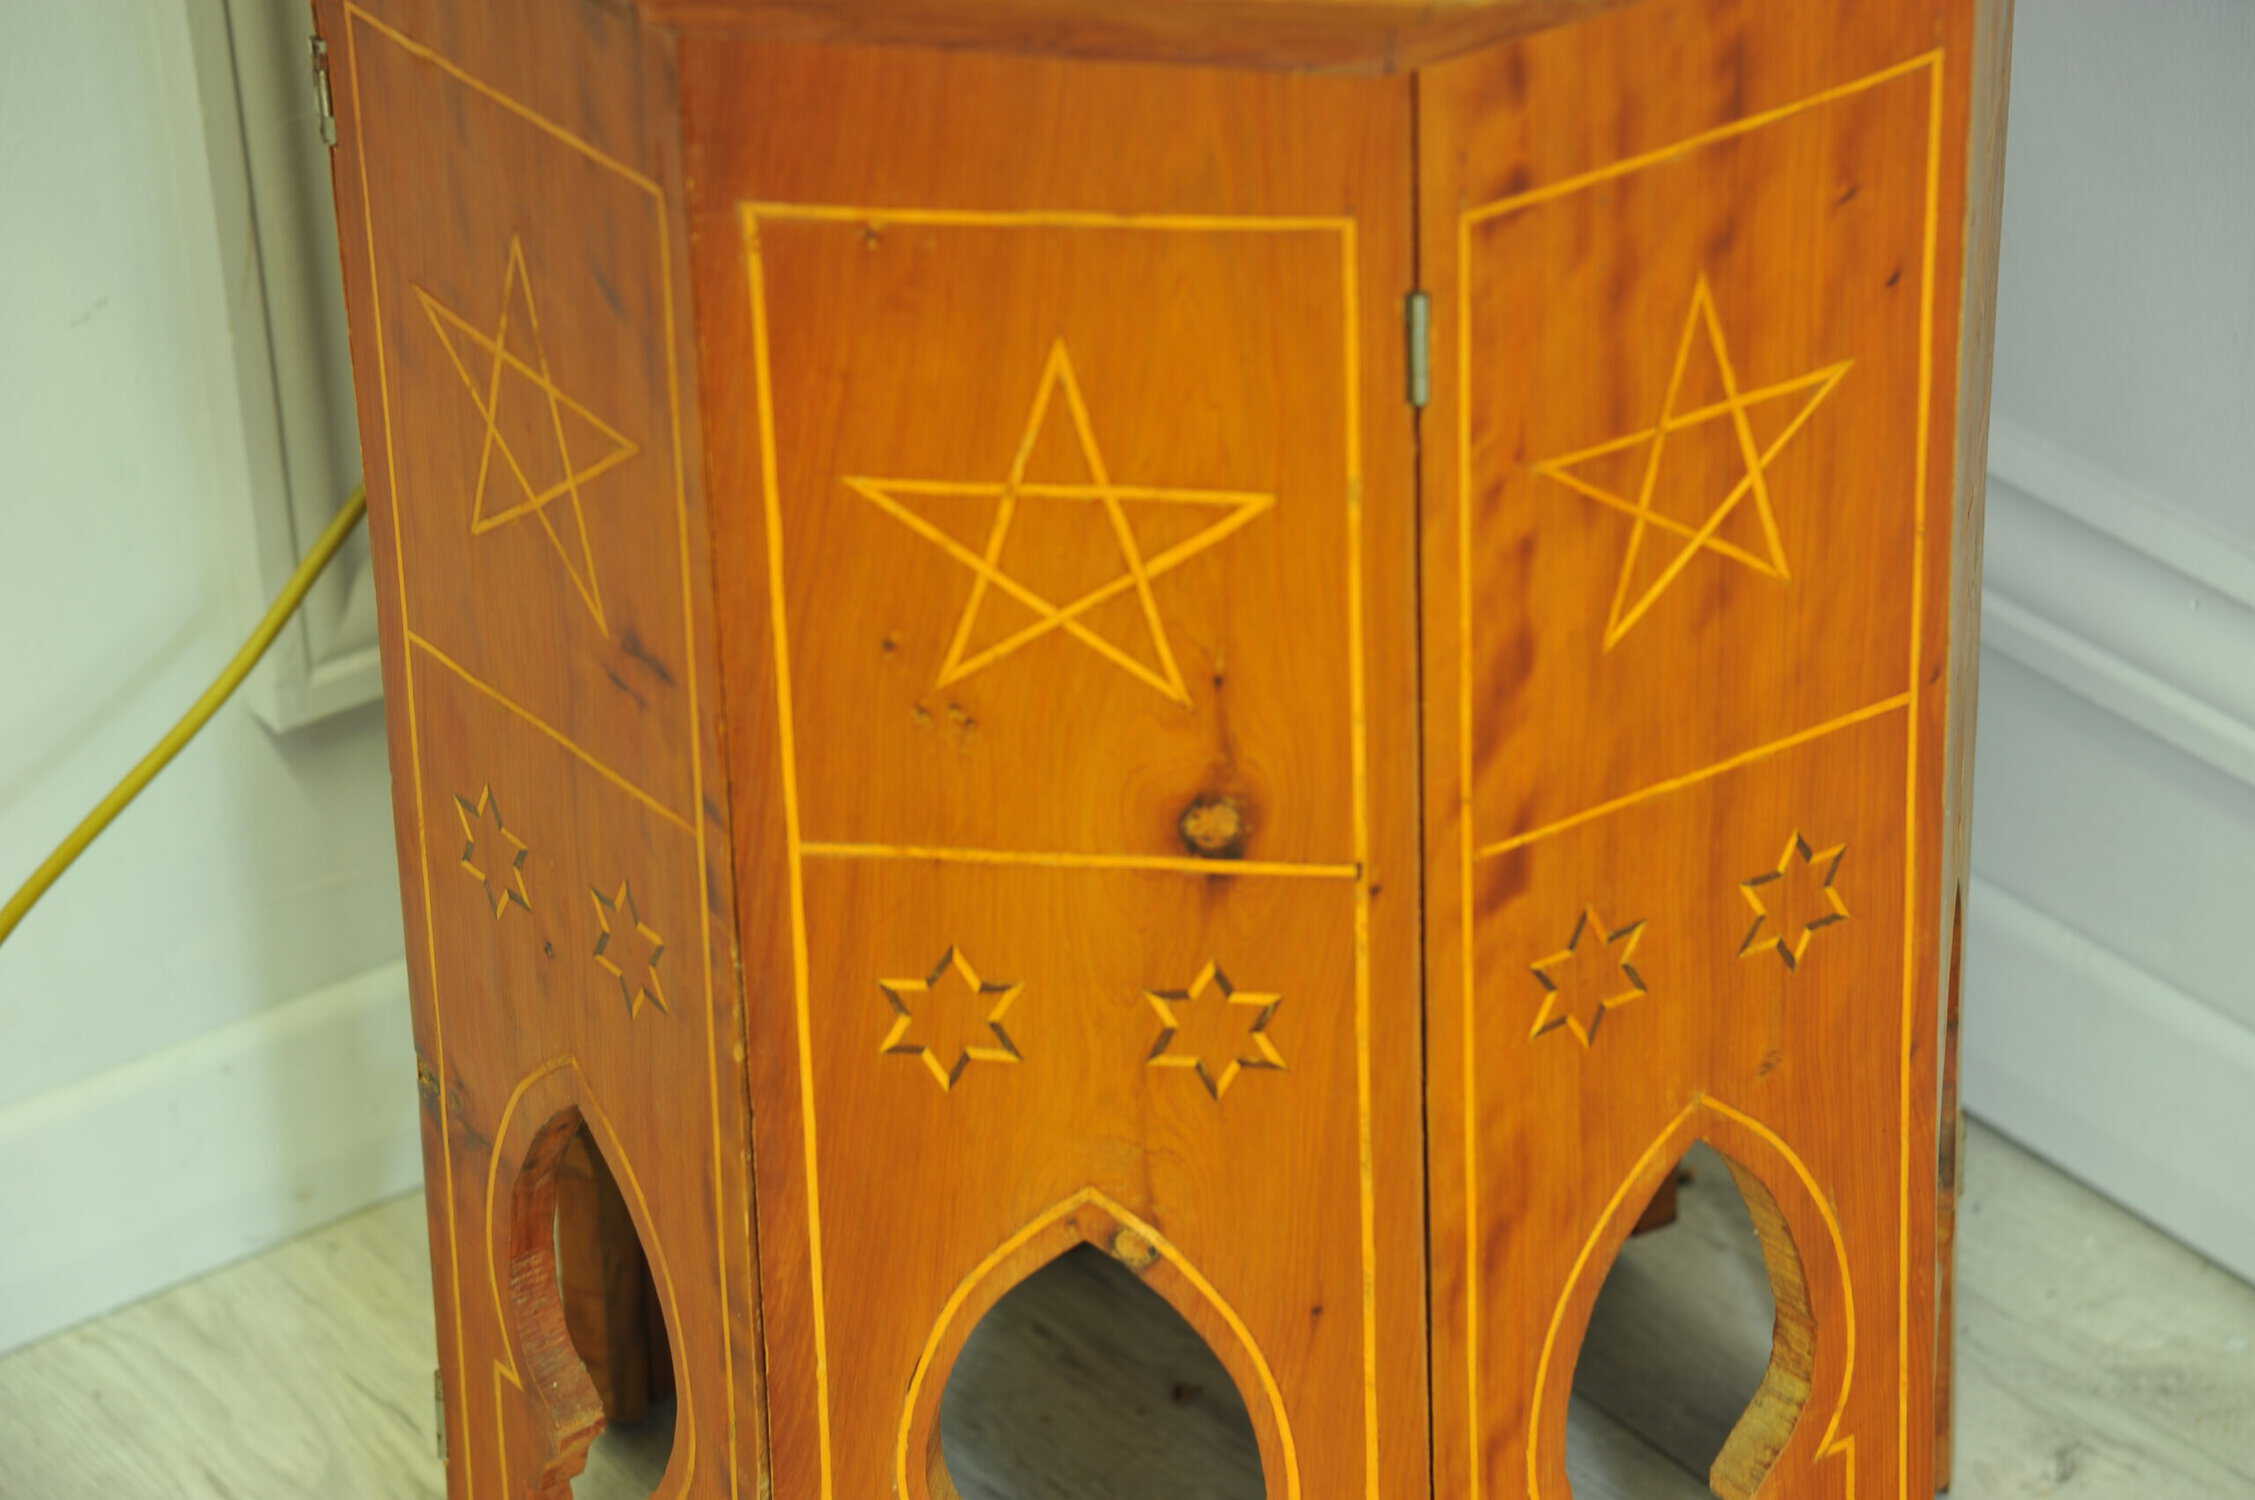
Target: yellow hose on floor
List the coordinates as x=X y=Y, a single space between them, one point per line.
x=199 y=714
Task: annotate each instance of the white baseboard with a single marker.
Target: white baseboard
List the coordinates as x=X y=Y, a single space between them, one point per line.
x=2081 y=1035
x=2139 y=1089
x=170 y=1166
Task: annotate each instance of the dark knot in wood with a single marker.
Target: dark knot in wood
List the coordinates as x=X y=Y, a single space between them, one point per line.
x=1214 y=827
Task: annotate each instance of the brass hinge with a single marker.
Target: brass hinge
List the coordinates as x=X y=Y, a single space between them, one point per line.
x=438 y=1404
x=320 y=52
x=1417 y=320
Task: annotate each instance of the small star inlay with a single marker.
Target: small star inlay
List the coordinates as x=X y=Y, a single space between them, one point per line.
x=950 y=1019
x=1794 y=901
x=628 y=949
x=1588 y=977
x=1217 y=1038
x=492 y=855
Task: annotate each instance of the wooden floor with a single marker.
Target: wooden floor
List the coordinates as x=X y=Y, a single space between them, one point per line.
x=2097 y=1358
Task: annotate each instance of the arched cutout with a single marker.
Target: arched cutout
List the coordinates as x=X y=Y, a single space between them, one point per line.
x=549 y=1114
x=617 y=1325
x=1081 y=1380
x=1772 y=1448
x=1089 y=1218
x=1683 y=1345
x=549 y=1367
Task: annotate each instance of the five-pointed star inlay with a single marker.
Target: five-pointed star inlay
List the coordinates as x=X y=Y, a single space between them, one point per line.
x=1217 y=1039
x=1588 y=977
x=515 y=360
x=628 y=949
x=1105 y=504
x=1702 y=535
x=1793 y=901
x=962 y=1017
x=493 y=855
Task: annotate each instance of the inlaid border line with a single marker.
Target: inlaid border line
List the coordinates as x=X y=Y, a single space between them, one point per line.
x=980 y=218
x=1912 y=730
x=751 y=213
x=794 y=847
x=452 y=1291
x=666 y=270
x=1469 y=849
x=1638 y=163
x=646 y=798
x=1693 y=778
x=1069 y=860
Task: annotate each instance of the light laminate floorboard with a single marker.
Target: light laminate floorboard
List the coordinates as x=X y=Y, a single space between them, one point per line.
x=2097 y=1359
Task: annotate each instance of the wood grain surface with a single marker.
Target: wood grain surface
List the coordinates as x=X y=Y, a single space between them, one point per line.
x=1067 y=534
x=514 y=271
x=933 y=665
x=1689 y=501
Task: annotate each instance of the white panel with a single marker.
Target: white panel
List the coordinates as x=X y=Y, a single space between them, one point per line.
x=2136 y=847
x=2109 y=1005
x=259 y=868
x=2136 y=1087
x=2126 y=306
x=2116 y=767
x=254 y=178
x=193 y=1157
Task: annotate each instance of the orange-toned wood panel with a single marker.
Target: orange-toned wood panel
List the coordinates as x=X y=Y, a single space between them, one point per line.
x=514 y=263
x=1066 y=530
x=1689 y=554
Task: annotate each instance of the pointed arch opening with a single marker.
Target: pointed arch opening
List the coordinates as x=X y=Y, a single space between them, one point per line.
x=1715 y=1355
x=1081 y=1380
x=1087 y=1355
x=588 y=1336
x=1679 y=1349
x=617 y=1326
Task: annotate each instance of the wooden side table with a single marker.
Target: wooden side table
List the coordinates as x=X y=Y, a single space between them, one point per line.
x=1297 y=639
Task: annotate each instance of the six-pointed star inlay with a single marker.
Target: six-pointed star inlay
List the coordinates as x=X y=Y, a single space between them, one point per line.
x=561 y=446
x=628 y=949
x=1588 y=977
x=493 y=855
x=1578 y=470
x=1214 y=1029
x=950 y=1019
x=1794 y=901
x=1101 y=502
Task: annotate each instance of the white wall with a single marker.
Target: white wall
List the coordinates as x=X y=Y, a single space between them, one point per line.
x=203 y=1029
x=2110 y=999
x=2127 y=331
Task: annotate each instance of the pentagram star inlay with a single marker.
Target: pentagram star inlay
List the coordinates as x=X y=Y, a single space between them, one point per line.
x=1217 y=1038
x=515 y=390
x=1106 y=505
x=1588 y=977
x=491 y=853
x=950 y=1019
x=1792 y=902
x=628 y=949
x=1703 y=532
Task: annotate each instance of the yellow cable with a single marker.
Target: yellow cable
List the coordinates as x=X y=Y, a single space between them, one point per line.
x=223 y=687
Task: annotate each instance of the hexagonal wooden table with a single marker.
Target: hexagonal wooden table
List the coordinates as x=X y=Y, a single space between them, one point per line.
x=1297 y=639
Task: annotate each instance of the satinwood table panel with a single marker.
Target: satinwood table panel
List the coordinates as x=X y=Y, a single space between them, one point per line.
x=1298 y=641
